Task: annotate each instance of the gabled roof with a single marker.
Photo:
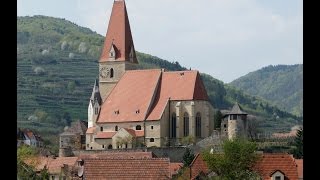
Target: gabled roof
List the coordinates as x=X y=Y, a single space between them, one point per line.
x=53 y=165
x=198 y=166
x=143 y=94
x=105 y=135
x=135 y=133
x=175 y=167
x=269 y=163
x=180 y=86
x=130 y=99
x=118 y=34
x=236 y=109
x=151 y=168
x=91 y=130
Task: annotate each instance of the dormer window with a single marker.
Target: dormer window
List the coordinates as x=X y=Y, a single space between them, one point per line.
x=112 y=52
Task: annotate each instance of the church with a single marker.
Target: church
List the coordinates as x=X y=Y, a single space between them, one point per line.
x=132 y=108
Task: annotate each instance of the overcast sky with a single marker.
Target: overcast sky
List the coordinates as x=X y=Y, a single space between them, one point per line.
x=224 y=38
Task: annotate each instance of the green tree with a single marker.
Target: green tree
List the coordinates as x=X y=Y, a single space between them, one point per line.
x=235 y=162
x=217 y=119
x=188 y=157
x=27 y=170
x=298 y=143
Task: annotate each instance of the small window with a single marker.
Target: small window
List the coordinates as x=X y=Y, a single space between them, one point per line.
x=111 y=73
x=277 y=178
x=151 y=127
x=101 y=128
x=110 y=146
x=116 y=128
x=90 y=147
x=138 y=127
x=151 y=139
x=103 y=146
x=96 y=110
x=87 y=145
x=224 y=125
x=126 y=146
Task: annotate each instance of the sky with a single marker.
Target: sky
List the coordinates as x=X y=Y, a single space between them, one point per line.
x=224 y=38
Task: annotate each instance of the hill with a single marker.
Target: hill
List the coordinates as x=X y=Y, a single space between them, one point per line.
x=281 y=84
x=57 y=65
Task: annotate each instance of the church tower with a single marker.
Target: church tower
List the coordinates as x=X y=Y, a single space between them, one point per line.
x=94 y=105
x=118 y=53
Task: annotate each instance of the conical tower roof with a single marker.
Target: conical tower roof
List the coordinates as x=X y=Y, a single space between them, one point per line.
x=119 y=36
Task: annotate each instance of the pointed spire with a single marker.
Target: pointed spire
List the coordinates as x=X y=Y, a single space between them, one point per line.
x=119 y=36
x=96 y=93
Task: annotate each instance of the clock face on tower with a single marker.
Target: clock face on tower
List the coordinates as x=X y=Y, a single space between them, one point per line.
x=104 y=72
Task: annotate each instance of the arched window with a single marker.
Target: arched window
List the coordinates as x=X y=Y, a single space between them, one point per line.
x=138 y=127
x=173 y=125
x=198 y=125
x=110 y=146
x=186 y=124
x=96 y=110
x=111 y=73
x=151 y=139
x=101 y=128
x=116 y=128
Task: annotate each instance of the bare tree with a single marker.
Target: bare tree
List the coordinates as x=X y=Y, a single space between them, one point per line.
x=253 y=127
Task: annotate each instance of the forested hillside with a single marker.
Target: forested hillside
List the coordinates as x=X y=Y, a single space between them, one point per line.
x=282 y=85
x=57 y=65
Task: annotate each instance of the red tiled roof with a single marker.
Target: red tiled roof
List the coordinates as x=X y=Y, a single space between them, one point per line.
x=118 y=34
x=90 y=130
x=135 y=133
x=149 y=91
x=119 y=155
x=153 y=168
x=54 y=165
x=175 y=167
x=105 y=135
x=270 y=163
x=178 y=85
x=299 y=163
x=198 y=166
x=132 y=93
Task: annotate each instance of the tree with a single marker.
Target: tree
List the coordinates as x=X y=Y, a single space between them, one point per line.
x=217 y=119
x=235 y=162
x=27 y=170
x=188 y=140
x=253 y=129
x=298 y=143
x=187 y=157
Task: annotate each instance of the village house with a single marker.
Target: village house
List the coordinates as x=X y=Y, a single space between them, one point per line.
x=142 y=108
x=28 y=137
x=275 y=166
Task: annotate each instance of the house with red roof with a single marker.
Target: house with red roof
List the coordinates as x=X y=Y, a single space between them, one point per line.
x=129 y=107
x=277 y=166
